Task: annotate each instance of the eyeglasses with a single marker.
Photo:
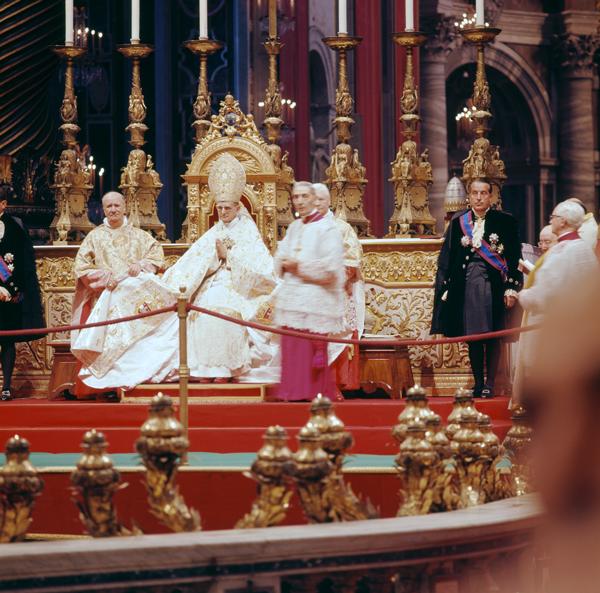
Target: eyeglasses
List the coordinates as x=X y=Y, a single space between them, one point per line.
x=555 y=216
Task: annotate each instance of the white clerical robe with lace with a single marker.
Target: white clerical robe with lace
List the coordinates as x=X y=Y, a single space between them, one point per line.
x=147 y=350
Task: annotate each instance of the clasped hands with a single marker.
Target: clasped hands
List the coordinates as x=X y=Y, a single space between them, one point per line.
x=221 y=249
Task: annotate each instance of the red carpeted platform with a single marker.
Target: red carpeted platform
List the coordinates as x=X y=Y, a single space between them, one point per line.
x=215 y=426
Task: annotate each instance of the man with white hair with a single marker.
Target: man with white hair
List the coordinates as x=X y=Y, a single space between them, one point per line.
x=566 y=264
x=346 y=360
x=310 y=260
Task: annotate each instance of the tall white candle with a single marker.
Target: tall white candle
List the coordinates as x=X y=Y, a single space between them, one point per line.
x=203 y=19
x=68 y=22
x=342 y=16
x=480 y=10
x=135 y=21
x=409 y=15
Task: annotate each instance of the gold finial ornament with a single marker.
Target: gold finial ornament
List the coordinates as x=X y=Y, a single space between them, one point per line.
x=411 y=171
x=463 y=398
x=96 y=481
x=416 y=464
x=518 y=444
x=19 y=487
x=72 y=184
x=311 y=468
x=227 y=179
x=469 y=448
x=269 y=472
x=483 y=160
x=342 y=503
x=346 y=176
x=161 y=447
x=140 y=183
x=416 y=408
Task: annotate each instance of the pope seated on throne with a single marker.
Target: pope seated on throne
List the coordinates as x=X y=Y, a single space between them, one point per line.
x=228 y=270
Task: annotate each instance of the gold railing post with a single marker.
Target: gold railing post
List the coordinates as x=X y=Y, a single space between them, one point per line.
x=184 y=369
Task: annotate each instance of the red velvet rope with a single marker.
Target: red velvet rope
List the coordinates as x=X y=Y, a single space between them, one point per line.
x=320 y=338
x=273 y=330
x=66 y=328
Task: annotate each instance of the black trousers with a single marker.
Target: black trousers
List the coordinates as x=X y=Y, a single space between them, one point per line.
x=485 y=356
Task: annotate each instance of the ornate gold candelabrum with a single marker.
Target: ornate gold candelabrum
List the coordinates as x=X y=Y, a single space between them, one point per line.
x=202 y=120
x=411 y=171
x=161 y=447
x=269 y=472
x=96 y=481
x=517 y=444
x=483 y=160
x=19 y=487
x=202 y=111
x=72 y=179
x=346 y=175
x=273 y=123
x=140 y=182
x=416 y=408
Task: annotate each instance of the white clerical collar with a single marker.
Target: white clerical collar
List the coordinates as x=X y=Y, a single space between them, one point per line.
x=105 y=223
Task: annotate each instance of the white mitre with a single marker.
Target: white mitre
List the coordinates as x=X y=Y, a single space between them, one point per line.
x=227 y=179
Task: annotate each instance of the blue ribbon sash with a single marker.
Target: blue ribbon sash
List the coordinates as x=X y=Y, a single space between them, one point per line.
x=485 y=251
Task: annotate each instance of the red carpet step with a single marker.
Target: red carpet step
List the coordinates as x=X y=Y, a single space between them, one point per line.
x=215 y=426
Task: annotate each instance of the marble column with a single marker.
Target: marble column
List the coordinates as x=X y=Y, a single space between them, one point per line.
x=434 y=134
x=576 y=121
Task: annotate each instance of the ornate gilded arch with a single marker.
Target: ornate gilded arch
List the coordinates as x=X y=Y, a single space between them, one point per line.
x=234 y=132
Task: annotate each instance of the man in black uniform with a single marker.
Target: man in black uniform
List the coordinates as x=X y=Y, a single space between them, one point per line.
x=20 y=300
x=477 y=280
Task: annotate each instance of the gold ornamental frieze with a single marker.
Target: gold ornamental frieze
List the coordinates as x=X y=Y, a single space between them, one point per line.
x=396 y=268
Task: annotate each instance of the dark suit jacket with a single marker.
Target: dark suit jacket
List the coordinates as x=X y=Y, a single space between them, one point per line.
x=452 y=263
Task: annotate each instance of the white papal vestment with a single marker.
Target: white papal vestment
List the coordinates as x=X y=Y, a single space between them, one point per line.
x=147 y=350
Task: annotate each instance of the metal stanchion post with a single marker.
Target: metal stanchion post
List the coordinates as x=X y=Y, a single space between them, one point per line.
x=184 y=369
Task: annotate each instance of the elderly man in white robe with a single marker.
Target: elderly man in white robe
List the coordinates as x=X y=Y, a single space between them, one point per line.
x=228 y=270
x=310 y=260
x=565 y=265
x=345 y=358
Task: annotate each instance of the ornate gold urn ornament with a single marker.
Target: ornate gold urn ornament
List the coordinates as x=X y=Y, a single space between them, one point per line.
x=96 y=480
x=310 y=468
x=140 y=182
x=469 y=448
x=19 y=486
x=417 y=465
x=416 y=408
x=268 y=471
x=411 y=171
x=483 y=160
x=346 y=176
x=340 y=500
x=72 y=179
x=235 y=132
x=161 y=447
x=517 y=444
x=463 y=398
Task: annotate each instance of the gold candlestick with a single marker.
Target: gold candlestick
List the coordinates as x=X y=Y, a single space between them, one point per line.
x=204 y=48
x=483 y=160
x=346 y=174
x=140 y=182
x=411 y=172
x=72 y=180
x=273 y=123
